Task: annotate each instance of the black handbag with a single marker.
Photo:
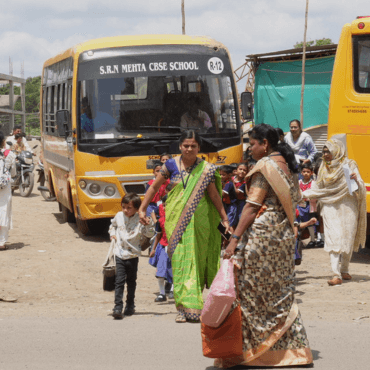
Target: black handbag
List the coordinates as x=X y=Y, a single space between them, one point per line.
x=109 y=269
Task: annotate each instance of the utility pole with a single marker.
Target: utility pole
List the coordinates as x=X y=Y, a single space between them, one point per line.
x=183 y=16
x=304 y=62
x=10 y=67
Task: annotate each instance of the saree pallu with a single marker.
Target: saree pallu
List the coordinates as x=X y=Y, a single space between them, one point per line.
x=273 y=331
x=194 y=241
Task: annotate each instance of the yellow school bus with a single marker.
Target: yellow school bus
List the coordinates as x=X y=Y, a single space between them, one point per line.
x=349 y=105
x=112 y=106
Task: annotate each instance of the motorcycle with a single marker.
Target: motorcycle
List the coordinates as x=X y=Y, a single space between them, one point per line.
x=24 y=178
x=45 y=192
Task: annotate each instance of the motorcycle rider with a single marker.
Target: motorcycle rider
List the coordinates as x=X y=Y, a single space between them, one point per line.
x=18 y=130
x=18 y=147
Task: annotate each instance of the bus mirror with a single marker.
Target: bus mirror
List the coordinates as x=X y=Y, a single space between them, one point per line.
x=62 y=118
x=247 y=105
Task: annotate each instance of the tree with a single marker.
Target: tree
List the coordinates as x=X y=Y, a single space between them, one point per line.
x=318 y=42
x=32 y=90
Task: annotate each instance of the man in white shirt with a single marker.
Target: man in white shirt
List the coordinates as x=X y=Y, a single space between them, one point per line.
x=194 y=117
x=18 y=130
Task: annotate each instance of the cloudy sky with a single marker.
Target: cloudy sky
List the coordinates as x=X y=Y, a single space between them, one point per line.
x=33 y=31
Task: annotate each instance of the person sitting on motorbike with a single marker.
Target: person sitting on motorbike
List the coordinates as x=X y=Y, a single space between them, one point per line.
x=18 y=146
x=18 y=130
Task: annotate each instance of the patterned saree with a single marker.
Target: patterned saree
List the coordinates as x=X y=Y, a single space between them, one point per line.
x=194 y=241
x=273 y=331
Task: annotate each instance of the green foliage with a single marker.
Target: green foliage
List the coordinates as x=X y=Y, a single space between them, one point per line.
x=318 y=42
x=32 y=89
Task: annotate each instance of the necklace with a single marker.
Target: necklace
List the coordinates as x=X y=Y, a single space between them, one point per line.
x=274 y=155
x=187 y=169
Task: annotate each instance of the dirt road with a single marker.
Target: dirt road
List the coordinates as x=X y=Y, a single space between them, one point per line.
x=55 y=274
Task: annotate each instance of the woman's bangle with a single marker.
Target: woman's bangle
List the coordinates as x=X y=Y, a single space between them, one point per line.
x=235 y=236
x=227 y=220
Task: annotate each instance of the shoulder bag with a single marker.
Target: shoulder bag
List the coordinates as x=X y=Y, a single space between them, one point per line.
x=226 y=340
x=109 y=269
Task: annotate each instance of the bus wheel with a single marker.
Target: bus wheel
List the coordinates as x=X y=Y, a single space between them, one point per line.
x=83 y=226
x=67 y=215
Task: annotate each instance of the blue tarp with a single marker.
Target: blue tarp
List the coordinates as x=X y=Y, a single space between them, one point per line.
x=277 y=94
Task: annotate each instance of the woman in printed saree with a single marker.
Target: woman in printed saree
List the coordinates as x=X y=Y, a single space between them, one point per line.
x=193 y=211
x=263 y=247
x=344 y=214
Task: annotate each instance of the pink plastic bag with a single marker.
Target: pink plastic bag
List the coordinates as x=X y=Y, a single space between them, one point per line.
x=220 y=297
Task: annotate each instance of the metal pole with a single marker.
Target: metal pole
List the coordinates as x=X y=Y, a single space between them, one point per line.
x=11 y=105
x=183 y=16
x=304 y=62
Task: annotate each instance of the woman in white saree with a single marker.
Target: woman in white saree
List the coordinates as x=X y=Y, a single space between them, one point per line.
x=301 y=143
x=7 y=164
x=344 y=215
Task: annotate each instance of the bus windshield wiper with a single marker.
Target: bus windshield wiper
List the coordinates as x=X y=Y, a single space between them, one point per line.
x=214 y=145
x=165 y=127
x=134 y=140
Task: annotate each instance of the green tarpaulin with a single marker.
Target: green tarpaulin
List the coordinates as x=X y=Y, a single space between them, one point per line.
x=277 y=95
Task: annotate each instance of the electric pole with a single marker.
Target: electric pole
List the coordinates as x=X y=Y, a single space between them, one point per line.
x=304 y=62
x=183 y=16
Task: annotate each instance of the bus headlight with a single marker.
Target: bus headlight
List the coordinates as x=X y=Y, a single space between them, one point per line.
x=82 y=184
x=109 y=191
x=94 y=188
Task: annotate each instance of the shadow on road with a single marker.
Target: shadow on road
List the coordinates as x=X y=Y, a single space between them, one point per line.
x=16 y=245
x=58 y=216
x=101 y=232
x=148 y=314
x=355 y=279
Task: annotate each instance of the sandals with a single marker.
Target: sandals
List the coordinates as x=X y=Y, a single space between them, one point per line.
x=3 y=247
x=335 y=281
x=346 y=276
x=180 y=318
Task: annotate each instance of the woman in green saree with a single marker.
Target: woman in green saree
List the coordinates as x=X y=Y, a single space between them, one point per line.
x=193 y=210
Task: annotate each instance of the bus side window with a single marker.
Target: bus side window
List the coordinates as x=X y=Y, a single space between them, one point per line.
x=69 y=98
x=52 y=110
x=64 y=96
x=59 y=98
x=45 y=109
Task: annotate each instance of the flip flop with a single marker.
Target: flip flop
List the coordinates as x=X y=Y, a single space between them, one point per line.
x=180 y=318
x=7 y=298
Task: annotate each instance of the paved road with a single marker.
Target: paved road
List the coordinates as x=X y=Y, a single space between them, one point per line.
x=141 y=342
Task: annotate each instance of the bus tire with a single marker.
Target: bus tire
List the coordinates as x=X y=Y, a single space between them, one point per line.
x=67 y=215
x=83 y=226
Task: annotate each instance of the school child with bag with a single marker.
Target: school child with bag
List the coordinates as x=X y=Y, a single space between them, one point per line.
x=128 y=233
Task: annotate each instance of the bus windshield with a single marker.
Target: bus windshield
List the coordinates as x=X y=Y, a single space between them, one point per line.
x=117 y=107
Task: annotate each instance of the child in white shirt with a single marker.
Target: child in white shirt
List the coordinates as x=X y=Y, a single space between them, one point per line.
x=128 y=232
